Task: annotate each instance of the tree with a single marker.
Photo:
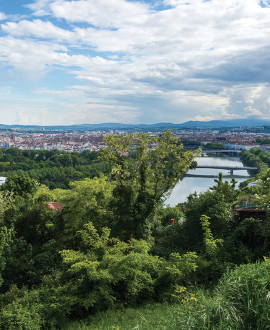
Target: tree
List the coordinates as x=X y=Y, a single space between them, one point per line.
x=88 y=200
x=20 y=185
x=144 y=180
x=215 y=203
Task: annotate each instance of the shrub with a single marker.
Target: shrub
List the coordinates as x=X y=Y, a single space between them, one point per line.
x=240 y=301
x=107 y=272
x=20 y=309
x=247 y=288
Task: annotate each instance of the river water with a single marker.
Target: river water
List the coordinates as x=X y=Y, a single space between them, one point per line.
x=202 y=179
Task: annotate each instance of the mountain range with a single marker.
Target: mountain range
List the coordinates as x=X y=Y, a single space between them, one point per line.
x=248 y=122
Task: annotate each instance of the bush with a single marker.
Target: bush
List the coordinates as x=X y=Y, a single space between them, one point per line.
x=107 y=272
x=20 y=310
x=240 y=301
x=247 y=288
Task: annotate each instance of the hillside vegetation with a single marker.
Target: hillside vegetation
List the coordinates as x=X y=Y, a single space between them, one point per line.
x=109 y=250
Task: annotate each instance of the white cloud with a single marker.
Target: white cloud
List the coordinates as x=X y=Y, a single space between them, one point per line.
x=223 y=27
x=36 y=28
x=3 y=16
x=30 y=56
x=40 y=7
x=200 y=29
x=202 y=59
x=249 y=100
x=102 y=13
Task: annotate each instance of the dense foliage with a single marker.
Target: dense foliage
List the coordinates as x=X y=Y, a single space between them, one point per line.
x=110 y=242
x=263 y=141
x=54 y=168
x=214 y=145
x=256 y=157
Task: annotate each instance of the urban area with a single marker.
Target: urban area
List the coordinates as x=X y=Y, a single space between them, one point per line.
x=235 y=138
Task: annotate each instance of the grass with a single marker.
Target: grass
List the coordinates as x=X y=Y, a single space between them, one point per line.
x=240 y=301
x=149 y=316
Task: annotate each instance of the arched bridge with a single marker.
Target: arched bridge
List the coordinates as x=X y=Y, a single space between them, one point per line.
x=229 y=168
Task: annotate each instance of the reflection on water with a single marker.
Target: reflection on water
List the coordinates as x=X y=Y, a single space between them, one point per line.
x=201 y=179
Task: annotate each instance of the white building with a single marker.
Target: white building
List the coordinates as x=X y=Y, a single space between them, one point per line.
x=2 y=180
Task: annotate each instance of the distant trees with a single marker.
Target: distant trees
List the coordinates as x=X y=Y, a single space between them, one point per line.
x=214 y=145
x=263 y=141
x=256 y=157
x=191 y=143
x=54 y=168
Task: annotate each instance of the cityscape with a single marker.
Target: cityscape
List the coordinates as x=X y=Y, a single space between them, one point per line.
x=234 y=138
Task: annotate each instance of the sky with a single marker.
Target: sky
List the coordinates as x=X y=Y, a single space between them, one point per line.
x=95 y=61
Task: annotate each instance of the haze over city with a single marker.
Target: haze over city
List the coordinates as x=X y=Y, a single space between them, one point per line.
x=85 y=61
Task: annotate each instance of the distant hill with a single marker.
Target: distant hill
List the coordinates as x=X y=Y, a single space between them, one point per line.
x=84 y=127
x=248 y=122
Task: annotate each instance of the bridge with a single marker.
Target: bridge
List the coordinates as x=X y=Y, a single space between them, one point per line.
x=221 y=151
x=229 y=168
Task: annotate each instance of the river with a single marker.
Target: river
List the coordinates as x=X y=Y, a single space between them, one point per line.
x=201 y=179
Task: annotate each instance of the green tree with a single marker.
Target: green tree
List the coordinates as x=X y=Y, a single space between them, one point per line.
x=214 y=145
x=210 y=243
x=145 y=180
x=20 y=185
x=88 y=200
x=5 y=239
x=262 y=197
x=215 y=203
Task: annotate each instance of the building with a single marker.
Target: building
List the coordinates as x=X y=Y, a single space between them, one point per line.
x=2 y=180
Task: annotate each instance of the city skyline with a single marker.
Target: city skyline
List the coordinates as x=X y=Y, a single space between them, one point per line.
x=73 y=62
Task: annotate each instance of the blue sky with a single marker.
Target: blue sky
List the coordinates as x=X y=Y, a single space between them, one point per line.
x=93 y=61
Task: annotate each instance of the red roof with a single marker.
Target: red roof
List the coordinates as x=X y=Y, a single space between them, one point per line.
x=55 y=206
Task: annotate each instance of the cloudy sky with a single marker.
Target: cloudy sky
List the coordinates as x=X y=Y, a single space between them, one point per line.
x=93 y=61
